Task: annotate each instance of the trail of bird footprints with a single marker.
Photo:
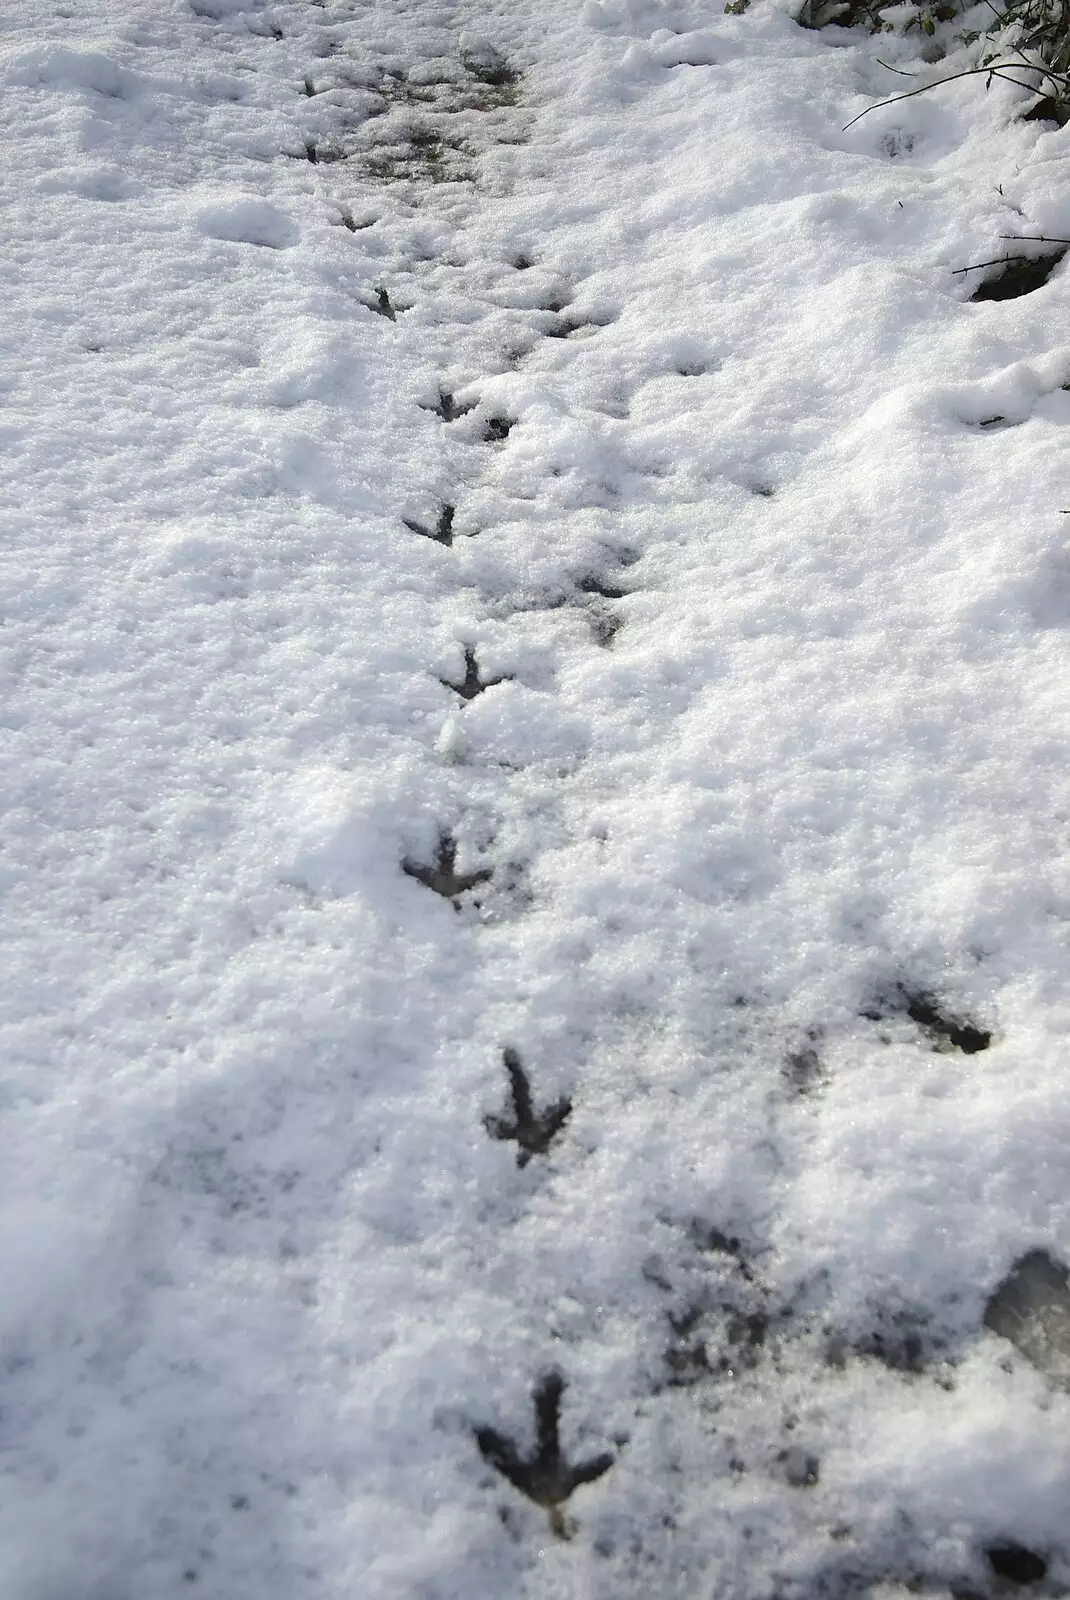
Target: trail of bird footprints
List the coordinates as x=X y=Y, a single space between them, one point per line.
x=426 y=126
x=403 y=149
x=418 y=135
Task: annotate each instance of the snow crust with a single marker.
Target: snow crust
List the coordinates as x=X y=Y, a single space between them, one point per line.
x=801 y=772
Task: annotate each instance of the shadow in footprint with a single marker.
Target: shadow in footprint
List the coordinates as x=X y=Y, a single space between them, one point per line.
x=1031 y=1309
x=605 y=626
x=496 y=429
x=533 y=1131
x=1020 y=275
x=923 y=1008
x=545 y=1476
x=599 y=586
x=498 y=82
x=710 y=1340
x=898 y=1342
x=382 y=306
x=1015 y=1564
x=441 y=533
x=565 y=327
x=715 y=1241
x=686 y=1356
x=448 y=408
x=1048 y=109
x=799 y=1469
x=323 y=155
x=804 y=1069
x=487 y=66
x=443 y=876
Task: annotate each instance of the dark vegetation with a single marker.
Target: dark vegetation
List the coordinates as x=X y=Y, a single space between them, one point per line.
x=1025 y=42
x=427 y=131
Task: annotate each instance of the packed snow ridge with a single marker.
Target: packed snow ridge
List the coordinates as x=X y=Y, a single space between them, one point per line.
x=536 y=629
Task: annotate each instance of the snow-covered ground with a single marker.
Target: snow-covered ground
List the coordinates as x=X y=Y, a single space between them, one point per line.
x=348 y=352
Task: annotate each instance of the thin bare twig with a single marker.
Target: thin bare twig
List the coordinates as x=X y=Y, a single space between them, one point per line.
x=1001 y=261
x=899 y=71
x=996 y=69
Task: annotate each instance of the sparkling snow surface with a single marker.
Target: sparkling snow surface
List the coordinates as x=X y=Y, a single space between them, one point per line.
x=271 y=1272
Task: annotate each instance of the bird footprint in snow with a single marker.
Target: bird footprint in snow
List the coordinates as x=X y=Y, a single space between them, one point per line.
x=443 y=876
x=545 y=1476
x=473 y=684
x=533 y=1131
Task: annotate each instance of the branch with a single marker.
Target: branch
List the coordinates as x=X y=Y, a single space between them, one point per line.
x=996 y=69
x=1001 y=262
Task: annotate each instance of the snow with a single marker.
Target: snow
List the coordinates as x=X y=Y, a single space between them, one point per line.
x=797 y=773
